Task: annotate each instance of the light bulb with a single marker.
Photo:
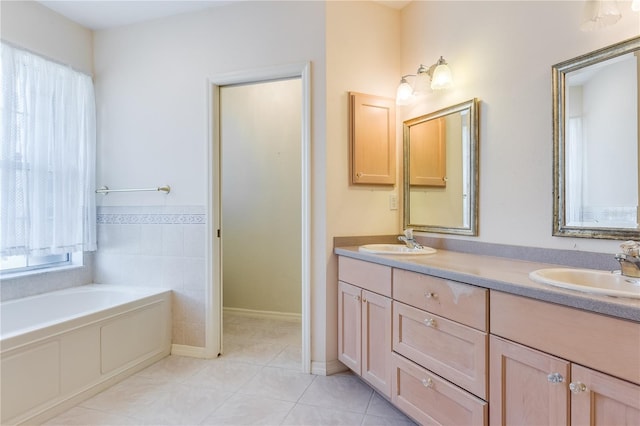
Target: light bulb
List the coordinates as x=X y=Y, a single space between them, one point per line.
x=404 y=93
x=442 y=78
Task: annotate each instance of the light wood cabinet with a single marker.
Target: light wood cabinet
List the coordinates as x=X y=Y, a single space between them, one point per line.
x=544 y=383
x=372 y=139
x=527 y=386
x=364 y=322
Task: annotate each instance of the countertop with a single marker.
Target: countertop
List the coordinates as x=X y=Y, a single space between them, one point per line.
x=496 y=273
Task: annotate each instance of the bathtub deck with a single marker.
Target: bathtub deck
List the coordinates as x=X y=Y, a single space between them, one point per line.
x=257 y=380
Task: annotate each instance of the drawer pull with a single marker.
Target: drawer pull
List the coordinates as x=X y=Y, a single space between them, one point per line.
x=555 y=378
x=427 y=383
x=430 y=295
x=430 y=322
x=357 y=298
x=577 y=387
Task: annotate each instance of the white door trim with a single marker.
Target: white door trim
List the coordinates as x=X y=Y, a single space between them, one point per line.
x=213 y=303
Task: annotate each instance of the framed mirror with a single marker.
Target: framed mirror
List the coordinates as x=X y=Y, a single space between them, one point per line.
x=595 y=143
x=441 y=170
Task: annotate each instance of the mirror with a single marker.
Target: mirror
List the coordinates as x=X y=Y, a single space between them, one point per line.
x=595 y=143
x=441 y=170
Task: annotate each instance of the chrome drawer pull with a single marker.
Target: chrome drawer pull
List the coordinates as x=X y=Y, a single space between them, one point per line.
x=427 y=383
x=555 y=378
x=430 y=322
x=577 y=387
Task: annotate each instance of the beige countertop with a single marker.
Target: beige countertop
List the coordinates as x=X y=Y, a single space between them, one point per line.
x=496 y=273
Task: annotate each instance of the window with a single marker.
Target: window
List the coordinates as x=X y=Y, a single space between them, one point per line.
x=47 y=162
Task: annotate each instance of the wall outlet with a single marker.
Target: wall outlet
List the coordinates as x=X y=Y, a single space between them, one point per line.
x=393 y=202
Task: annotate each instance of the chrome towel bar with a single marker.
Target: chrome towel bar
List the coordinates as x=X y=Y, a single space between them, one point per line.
x=105 y=189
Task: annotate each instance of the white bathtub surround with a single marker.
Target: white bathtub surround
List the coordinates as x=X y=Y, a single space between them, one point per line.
x=158 y=246
x=59 y=348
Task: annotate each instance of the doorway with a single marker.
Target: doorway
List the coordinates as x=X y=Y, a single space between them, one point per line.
x=258 y=235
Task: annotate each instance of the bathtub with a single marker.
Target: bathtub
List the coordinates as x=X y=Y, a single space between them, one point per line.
x=59 y=348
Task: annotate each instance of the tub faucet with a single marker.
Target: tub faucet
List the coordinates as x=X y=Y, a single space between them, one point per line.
x=629 y=259
x=408 y=239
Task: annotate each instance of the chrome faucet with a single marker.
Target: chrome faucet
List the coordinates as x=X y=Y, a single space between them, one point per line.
x=408 y=239
x=629 y=259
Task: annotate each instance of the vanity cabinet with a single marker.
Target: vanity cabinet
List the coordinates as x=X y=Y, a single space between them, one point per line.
x=550 y=365
x=364 y=321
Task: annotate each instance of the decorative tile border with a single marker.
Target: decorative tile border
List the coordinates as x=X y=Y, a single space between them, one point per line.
x=150 y=219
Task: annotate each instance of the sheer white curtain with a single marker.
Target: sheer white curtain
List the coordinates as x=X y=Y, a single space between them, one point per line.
x=47 y=163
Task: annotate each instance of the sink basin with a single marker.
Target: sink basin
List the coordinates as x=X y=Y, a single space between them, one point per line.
x=394 y=249
x=589 y=281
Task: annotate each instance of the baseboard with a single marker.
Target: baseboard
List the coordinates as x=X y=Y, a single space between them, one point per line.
x=327 y=368
x=287 y=316
x=190 y=351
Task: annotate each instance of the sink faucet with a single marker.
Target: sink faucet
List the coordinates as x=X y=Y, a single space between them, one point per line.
x=408 y=239
x=629 y=259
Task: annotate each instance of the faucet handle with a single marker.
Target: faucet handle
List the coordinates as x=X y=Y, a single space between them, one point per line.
x=630 y=248
x=408 y=233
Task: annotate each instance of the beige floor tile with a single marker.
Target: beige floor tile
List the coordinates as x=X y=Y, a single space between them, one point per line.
x=308 y=415
x=223 y=374
x=259 y=353
x=370 y=420
x=290 y=358
x=80 y=416
x=278 y=383
x=173 y=368
x=244 y=410
x=379 y=406
x=340 y=392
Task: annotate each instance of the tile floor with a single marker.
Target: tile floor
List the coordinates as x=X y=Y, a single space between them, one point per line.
x=256 y=382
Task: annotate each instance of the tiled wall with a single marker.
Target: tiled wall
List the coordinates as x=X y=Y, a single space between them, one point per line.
x=158 y=247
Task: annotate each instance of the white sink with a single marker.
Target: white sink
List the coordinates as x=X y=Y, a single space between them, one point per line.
x=589 y=281
x=395 y=249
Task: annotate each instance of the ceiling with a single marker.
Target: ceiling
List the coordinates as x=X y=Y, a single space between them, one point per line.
x=103 y=14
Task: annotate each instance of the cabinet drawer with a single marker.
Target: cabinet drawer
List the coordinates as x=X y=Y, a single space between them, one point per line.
x=367 y=275
x=454 y=351
x=460 y=302
x=431 y=400
x=610 y=345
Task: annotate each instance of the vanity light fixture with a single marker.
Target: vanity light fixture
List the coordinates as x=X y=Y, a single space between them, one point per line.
x=437 y=76
x=599 y=14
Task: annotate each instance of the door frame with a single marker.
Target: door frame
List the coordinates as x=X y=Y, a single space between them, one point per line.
x=213 y=295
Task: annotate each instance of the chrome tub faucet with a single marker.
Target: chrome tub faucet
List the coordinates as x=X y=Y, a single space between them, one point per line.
x=629 y=259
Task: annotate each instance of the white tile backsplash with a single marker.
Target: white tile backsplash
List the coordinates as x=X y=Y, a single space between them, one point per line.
x=158 y=246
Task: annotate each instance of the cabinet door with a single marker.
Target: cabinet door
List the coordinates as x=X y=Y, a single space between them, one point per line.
x=525 y=386
x=372 y=137
x=599 y=399
x=349 y=326
x=427 y=163
x=376 y=341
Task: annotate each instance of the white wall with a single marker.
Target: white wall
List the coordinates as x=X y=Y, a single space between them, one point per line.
x=502 y=53
x=362 y=56
x=261 y=125
x=151 y=81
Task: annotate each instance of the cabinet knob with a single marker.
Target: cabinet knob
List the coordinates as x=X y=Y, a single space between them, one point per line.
x=555 y=378
x=430 y=322
x=430 y=295
x=427 y=383
x=577 y=387
x=357 y=298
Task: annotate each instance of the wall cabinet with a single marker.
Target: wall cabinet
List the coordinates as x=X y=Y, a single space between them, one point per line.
x=372 y=139
x=364 y=324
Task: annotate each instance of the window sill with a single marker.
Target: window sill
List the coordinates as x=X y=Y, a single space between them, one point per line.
x=36 y=272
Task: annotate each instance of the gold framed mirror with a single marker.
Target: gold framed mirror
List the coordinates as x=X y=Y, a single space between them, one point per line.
x=440 y=160
x=596 y=183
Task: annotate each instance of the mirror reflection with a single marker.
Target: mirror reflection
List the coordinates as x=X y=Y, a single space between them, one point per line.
x=441 y=170
x=596 y=180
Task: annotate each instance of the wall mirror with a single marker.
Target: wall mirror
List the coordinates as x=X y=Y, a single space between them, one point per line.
x=441 y=170
x=595 y=143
